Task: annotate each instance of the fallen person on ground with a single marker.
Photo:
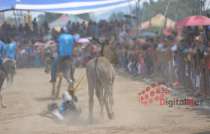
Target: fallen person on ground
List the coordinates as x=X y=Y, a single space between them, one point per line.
x=68 y=106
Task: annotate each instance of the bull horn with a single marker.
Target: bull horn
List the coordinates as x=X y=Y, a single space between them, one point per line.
x=79 y=82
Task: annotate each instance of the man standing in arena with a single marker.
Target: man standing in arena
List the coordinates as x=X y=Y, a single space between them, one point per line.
x=65 y=46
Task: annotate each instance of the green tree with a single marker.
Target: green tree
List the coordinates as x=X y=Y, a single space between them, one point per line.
x=117 y=16
x=85 y=16
x=177 y=8
x=51 y=16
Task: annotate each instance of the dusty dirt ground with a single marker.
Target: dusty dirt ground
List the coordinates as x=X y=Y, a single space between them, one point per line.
x=28 y=97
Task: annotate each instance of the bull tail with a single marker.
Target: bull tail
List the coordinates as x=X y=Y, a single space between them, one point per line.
x=96 y=63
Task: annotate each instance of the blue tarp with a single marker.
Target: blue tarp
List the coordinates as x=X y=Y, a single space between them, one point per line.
x=64 y=6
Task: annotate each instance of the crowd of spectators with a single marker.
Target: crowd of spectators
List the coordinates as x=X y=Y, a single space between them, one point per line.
x=176 y=60
x=27 y=35
x=28 y=55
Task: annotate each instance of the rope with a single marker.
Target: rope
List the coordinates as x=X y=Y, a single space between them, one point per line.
x=79 y=82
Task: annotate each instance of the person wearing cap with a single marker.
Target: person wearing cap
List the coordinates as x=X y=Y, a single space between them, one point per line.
x=65 y=46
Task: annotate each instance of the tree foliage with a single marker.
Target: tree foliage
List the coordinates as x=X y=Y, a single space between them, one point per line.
x=177 y=8
x=51 y=16
x=85 y=16
x=117 y=16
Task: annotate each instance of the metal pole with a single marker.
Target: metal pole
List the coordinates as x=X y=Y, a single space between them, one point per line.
x=141 y=17
x=2 y=17
x=15 y=15
x=138 y=11
x=203 y=7
x=165 y=15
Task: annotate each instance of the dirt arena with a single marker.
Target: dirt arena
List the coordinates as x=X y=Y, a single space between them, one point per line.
x=28 y=97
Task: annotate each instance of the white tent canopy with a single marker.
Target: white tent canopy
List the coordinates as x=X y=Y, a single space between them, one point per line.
x=64 y=6
x=64 y=19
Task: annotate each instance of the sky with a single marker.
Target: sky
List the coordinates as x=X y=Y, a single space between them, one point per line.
x=106 y=14
x=98 y=15
x=127 y=9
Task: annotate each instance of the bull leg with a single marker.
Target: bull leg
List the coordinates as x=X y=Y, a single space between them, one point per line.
x=1 y=97
x=2 y=79
x=12 y=78
x=59 y=86
x=111 y=99
x=91 y=100
x=91 y=87
x=100 y=96
x=2 y=102
x=102 y=105
x=8 y=79
x=107 y=105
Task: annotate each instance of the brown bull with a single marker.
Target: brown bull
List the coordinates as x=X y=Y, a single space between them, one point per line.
x=110 y=54
x=2 y=79
x=10 y=68
x=101 y=76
